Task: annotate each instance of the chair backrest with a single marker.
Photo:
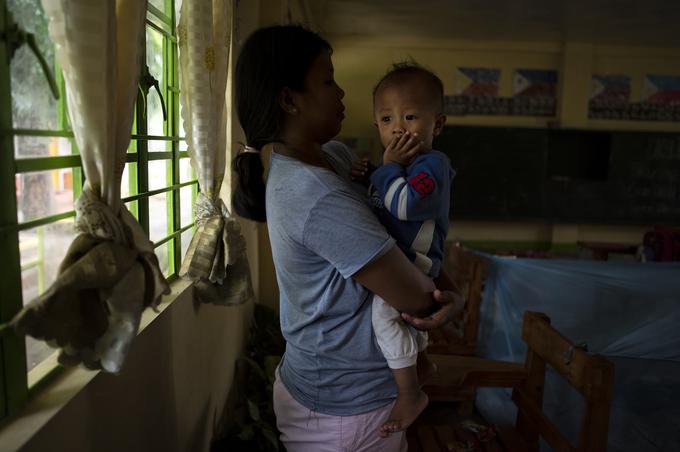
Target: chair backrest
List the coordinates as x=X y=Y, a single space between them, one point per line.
x=590 y=375
x=468 y=271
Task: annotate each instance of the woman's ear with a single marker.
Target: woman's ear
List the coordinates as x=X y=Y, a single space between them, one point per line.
x=439 y=124
x=287 y=102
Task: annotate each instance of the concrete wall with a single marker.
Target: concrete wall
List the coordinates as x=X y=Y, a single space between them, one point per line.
x=170 y=395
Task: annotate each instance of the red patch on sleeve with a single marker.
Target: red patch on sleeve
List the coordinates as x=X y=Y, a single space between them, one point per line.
x=422 y=183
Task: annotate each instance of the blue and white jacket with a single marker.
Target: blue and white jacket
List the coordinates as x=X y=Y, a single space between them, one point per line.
x=413 y=204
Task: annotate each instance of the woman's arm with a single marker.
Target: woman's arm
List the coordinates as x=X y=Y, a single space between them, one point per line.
x=403 y=286
x=400 y=283
x=450 y=300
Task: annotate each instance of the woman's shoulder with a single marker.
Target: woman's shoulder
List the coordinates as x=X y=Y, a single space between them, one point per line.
x=291 y=178
x=297 y=180
x=339 y=152
x=338 y=148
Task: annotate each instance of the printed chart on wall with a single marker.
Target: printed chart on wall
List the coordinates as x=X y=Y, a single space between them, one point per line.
x=609 y=96
x=535 y=92
x=474 y=82
x=477 y=92
x=661 y=96
x=659 y=99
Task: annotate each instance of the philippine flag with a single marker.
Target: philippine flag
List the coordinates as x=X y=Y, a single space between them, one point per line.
x=610 y=89
x=475 y=82
x=535 y=83
x=661 y=89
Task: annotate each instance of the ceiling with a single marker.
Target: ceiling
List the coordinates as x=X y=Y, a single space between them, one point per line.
x=615 y=22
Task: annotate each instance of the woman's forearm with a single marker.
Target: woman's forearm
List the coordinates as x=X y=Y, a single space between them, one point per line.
x=397 y=281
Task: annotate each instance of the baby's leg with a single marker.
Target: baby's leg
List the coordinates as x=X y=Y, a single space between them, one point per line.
x=411 y=401
x=400 y=348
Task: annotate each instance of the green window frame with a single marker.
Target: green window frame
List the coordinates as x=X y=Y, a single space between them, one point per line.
x=147 y=155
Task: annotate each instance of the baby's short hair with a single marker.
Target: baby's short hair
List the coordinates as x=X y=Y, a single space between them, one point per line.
x=408 y=69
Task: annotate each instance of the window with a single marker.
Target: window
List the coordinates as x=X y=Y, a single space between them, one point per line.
x=41 y=176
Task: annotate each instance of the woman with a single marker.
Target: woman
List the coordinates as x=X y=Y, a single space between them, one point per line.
x=333 y=389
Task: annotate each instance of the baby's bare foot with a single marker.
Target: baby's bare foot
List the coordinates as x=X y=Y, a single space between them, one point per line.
x=406 y=409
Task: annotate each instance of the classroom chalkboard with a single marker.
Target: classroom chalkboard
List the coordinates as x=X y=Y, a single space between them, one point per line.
x=505 y=173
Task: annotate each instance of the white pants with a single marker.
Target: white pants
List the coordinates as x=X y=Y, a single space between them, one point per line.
x=399 y=342
x=303 y=430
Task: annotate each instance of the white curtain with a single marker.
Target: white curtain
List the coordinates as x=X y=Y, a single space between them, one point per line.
x=110 y=273
x=216 y=259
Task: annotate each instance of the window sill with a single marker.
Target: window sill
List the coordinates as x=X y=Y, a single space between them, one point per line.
x=49 y=399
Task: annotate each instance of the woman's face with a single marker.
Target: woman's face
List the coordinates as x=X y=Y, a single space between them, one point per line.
x=319 y=107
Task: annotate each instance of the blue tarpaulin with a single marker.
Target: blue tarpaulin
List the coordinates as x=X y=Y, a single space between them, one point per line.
x=626 y=311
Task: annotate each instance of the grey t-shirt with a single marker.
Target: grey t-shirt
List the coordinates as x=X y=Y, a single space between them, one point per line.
x=322 y=231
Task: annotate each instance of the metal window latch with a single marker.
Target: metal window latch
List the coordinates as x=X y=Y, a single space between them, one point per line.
x=146 y=81
x=15 y=37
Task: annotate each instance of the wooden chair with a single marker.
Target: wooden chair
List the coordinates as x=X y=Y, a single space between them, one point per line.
x=468 y=271
x=590 y=375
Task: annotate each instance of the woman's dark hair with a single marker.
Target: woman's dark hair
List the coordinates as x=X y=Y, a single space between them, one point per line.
x=271 y=59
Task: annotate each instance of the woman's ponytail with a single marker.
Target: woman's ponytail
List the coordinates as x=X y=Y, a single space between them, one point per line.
x=271 y=59
x=248 y=196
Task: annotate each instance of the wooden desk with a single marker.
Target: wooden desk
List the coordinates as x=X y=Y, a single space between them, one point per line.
x=601 y=250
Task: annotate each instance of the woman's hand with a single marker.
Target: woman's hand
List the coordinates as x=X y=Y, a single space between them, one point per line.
x=452 y=304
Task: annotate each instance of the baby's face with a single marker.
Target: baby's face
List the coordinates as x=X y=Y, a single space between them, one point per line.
x=407 y=106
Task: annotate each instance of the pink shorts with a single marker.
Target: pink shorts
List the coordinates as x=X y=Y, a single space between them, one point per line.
x=303 y=430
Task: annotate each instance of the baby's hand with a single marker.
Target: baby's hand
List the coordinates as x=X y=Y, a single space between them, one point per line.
x=359 y=171
x=403 y=149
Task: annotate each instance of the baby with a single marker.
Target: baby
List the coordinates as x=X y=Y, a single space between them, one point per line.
x=410 y=192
